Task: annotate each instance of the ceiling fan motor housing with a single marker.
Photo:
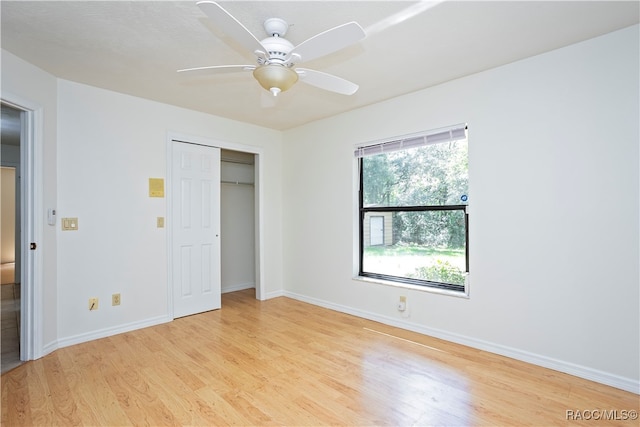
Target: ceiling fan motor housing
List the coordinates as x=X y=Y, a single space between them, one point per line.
x=278 y=48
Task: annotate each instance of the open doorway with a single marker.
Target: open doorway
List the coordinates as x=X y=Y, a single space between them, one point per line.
x=10 y=252
x=237 y=220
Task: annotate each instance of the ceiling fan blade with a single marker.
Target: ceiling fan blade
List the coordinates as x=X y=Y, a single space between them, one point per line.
x=219 y=69
x=401 y=16
x=231 y=26
x=327 y=81
x=329 y=41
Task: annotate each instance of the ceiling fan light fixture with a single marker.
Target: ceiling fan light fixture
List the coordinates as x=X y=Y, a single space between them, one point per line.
x=275 y=78
x=277 y=56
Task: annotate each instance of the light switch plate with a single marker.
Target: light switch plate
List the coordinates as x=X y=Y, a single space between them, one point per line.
x=160 y=222
x=69 y=224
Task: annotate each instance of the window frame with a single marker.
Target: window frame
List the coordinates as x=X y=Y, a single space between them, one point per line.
x=427 y=285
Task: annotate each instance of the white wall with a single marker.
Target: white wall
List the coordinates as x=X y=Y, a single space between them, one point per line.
x=29 y=86
x=8 y=215
x=11 y=205
x=109 y=145
x=554 y=262
x=237 y=221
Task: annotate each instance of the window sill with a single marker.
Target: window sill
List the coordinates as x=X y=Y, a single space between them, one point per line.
x=457 y=294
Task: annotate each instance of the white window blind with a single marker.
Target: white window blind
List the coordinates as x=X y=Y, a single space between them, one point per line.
x=449 y=134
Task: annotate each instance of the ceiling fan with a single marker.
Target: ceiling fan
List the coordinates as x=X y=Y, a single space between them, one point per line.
x=276 y=57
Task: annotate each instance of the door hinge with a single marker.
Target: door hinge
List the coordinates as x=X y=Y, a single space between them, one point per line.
x=33 y=246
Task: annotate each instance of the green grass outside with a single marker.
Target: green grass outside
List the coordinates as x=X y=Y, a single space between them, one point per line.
x=413 y=251
x=401 y=260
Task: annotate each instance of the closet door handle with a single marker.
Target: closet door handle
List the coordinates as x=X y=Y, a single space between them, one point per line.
x=33 y=246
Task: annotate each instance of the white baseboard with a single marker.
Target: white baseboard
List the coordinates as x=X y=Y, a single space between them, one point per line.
x=238 y=287
x=598 y=376
x=274 y=294
x=106 y=332
x=48 y=348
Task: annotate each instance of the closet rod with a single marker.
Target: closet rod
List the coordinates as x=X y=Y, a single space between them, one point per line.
x=236 y=182
x=240 y=162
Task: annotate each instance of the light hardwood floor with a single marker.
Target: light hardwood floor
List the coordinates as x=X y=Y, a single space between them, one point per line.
x=10 y=326
x=284 y=362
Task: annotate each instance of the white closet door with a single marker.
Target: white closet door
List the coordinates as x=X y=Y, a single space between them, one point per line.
x=195 y=228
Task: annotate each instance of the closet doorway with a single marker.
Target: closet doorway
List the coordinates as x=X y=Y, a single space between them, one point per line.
x=237 y=220
x=241 y=215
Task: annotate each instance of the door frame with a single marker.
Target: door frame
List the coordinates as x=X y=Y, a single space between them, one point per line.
x=31 y=218
x=259 y=255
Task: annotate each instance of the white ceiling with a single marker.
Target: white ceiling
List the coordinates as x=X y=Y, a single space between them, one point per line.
x=136 y=47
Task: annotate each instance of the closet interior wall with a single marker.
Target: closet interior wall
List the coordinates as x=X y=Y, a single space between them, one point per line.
x=237 y=218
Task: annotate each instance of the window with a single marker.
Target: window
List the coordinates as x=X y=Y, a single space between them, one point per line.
x=413 y=198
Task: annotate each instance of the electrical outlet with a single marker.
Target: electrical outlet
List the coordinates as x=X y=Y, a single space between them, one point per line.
x=115 y=299
x=93 y=304
x=402 y=303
